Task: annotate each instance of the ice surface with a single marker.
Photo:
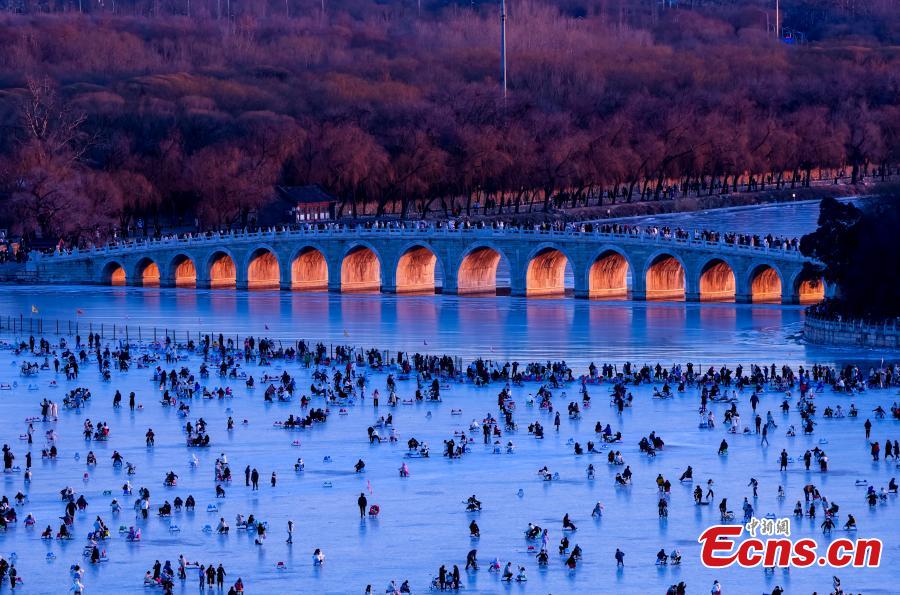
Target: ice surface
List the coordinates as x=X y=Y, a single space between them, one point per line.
x=423 y=523
x=791 y=219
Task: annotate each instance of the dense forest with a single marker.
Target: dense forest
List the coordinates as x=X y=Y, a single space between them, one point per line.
x=176 y=112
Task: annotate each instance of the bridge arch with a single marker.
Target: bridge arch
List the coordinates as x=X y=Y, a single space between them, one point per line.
x=361 y=269
x=609 y=274
x=545 y=273
x=309 y=269
x=113 y=273
x=807 y=288
x=418 y=269
x=664 y=273
x=765 y=283
x=263 y=269
x=146 y=273
x=221 y=269
x=477 y=271
x=717 y=281
x=182 y=271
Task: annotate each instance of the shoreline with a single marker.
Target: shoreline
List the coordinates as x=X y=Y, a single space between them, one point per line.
x=724 y=203
x=733 y=209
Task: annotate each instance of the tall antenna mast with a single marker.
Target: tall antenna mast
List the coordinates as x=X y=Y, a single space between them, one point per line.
x=503 y=45
x=777 y=20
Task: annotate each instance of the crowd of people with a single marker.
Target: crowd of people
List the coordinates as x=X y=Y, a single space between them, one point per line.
x=768 y=241
x=346 y=377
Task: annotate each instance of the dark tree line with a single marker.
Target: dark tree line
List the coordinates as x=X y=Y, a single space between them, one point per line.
x=859 y=252
x=134 y=111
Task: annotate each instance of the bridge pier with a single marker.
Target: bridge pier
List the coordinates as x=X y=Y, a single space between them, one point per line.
x=580 y=268
x=691 y=280
x=518 y=282
x=638 y=291
x=450 y=281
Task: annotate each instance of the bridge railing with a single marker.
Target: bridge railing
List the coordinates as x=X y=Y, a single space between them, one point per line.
x=344 y=232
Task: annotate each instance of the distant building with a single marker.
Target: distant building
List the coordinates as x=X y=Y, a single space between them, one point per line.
x=306 y=204
x=296 y=204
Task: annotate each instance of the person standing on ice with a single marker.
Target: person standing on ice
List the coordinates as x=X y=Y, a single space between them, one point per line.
x=247 y=476
x=290 y=529
x=755 y=485
x=472 y=560
x=362 y=502
x=254 y=479
x=620 y=558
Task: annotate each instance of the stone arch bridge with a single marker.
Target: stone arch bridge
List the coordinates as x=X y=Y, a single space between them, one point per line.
x=465 y=262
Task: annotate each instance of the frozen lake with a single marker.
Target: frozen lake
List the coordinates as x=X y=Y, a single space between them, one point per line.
x=423 y=523
x=789 y=219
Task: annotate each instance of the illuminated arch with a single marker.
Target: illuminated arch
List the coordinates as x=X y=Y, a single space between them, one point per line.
x=809 y=288
x=147 y=272
x=417 y=270
x=184 y=271
x=361 y=269
x=545 y=274
x=717 y=281
x=477 y=273
x=113 y=273
x=665 y=277
x=765 y=284
x=222 y=269
x=263 y=270
x=309 y=270
x=609 y=274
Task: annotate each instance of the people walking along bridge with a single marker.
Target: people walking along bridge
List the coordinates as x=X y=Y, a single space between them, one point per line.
x=624 y=262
